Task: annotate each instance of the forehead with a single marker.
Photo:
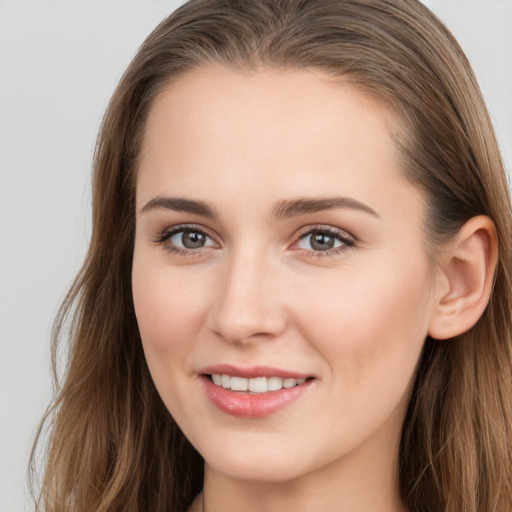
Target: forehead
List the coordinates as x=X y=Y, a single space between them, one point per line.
x=277 y=132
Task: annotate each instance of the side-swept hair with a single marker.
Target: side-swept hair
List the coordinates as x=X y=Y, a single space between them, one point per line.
x=112 y=445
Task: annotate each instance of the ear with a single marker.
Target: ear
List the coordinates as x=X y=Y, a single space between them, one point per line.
x=466 y=279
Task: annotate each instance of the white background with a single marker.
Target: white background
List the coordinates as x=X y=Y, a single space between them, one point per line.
x=59 y=64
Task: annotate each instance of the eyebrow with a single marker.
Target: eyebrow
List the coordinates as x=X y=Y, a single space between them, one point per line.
x=297 y=207
x=178 y=204
x=283 y=210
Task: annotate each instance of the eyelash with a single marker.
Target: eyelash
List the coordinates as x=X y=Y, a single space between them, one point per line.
x=167 y=234
x=347 y=242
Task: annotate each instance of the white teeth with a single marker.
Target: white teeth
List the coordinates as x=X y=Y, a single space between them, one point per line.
x=289 y=383
x=239 y=384
x=274 y=383
x=226 y=381
x=256 y=384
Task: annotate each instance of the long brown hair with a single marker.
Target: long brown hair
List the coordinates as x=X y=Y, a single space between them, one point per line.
x=112 y=445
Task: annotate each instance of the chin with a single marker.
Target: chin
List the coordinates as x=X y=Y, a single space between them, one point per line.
x=265 y=470
x=261 y=460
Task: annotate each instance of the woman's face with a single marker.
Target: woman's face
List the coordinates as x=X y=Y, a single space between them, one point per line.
x=278 y=245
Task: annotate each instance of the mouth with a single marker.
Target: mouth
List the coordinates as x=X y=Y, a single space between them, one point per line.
x=255 y=385
x=255 y=392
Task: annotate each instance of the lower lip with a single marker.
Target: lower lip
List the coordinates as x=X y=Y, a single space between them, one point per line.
x=252 y=405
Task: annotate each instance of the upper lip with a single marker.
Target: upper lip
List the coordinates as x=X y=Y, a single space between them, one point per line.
x=252 y=372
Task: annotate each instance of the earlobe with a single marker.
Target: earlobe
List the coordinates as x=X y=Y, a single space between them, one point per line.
x=467 y=269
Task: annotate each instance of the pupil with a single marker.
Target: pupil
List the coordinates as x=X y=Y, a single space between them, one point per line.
x=322 y=242
x=192 y=239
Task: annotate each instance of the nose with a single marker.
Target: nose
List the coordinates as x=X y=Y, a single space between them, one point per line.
x=247 y=306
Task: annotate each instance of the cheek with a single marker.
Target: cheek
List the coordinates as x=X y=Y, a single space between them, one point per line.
x=169 y=315
x=369 y=325
x=167 y=306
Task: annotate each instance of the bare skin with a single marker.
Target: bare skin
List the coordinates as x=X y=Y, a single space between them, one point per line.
x=341 y=292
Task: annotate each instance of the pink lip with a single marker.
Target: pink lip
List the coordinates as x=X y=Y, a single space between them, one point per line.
x=252 y=372
x=247 y=405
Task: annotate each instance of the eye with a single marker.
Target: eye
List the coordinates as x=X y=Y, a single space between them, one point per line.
x=190 y=239
x=324 y=240
x=185 y=240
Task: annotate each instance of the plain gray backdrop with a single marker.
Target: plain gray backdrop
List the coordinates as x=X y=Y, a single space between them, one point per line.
x=59 y=64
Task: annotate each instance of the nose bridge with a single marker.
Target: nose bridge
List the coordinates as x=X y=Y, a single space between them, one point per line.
x=247 y=303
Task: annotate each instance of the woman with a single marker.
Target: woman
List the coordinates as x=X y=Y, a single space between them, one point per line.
x=298 y=289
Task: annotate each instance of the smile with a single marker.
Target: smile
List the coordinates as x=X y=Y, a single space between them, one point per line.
x=254 y=392
x=255 y=385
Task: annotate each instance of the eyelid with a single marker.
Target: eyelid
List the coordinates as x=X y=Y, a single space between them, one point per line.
x=163 y=236
x=348 y=240
x=326 y=228
x=176 y=228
